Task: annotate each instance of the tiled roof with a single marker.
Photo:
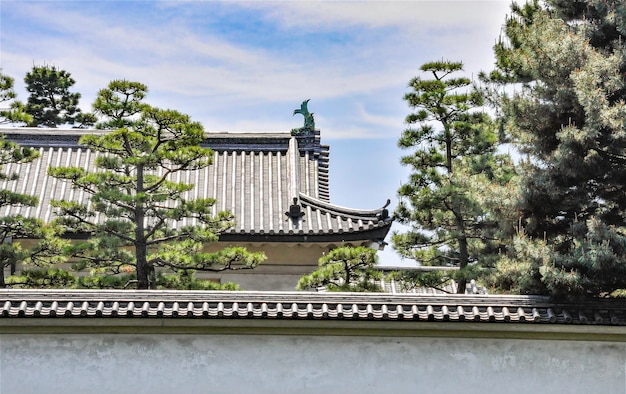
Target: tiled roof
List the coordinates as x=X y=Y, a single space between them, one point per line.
x=306 y=306
x=256 y=176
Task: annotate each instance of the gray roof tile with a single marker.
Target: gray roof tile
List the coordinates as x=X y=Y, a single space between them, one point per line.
x=307 y=306
x=256 y=176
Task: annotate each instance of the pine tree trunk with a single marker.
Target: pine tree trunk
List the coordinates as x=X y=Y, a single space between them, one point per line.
x=463 y=260
x=143 y=269
x=448 y=150
x=2 y=282
x=463 y=251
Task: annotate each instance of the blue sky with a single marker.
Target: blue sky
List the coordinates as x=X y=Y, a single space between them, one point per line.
x=245 y=66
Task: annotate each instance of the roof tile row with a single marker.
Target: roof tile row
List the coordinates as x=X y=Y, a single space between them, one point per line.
x=254 y=176
x=307 y=306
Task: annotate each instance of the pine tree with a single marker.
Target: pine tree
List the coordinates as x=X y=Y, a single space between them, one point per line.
x=47 y=248
x=345 y=269
x=12 y=111
x=50 y=103
x=453 y=164
x=133 y=189
x=567 y=117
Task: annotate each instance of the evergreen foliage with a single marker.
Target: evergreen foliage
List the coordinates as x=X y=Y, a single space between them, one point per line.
x=136 y=202
x=12 y=111
x=345 y=269
x=567 y=63
x=455 y=173
x=45 y=251
x=50 y=103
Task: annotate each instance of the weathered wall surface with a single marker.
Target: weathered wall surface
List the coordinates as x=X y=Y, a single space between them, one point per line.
x=80 y=363
x=261 y=282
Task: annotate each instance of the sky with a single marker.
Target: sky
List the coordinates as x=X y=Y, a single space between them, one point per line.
x=245 y=66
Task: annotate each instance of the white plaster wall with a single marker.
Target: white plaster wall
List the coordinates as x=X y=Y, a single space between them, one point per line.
x=300 y=364
x=263 y=282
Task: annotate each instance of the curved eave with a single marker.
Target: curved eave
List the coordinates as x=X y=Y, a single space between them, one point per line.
x=375 y=233
x=337 y=210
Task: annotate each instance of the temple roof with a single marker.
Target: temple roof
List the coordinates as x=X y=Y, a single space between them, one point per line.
x=267 y=180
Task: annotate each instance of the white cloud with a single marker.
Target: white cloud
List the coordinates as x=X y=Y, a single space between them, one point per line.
x=380 y=47
x=353 y=59
x=409 y=15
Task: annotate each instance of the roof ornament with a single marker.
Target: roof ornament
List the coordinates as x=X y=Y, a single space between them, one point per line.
x=295 y=210
x=384 y=213
x=309 y=122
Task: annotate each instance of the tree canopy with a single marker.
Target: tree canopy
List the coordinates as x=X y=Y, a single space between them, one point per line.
x=11 y=110
x=567 y=63
x=345 y=268
x=453 y=163
x=51 y=103
x=139 y=217
x=47 y=249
